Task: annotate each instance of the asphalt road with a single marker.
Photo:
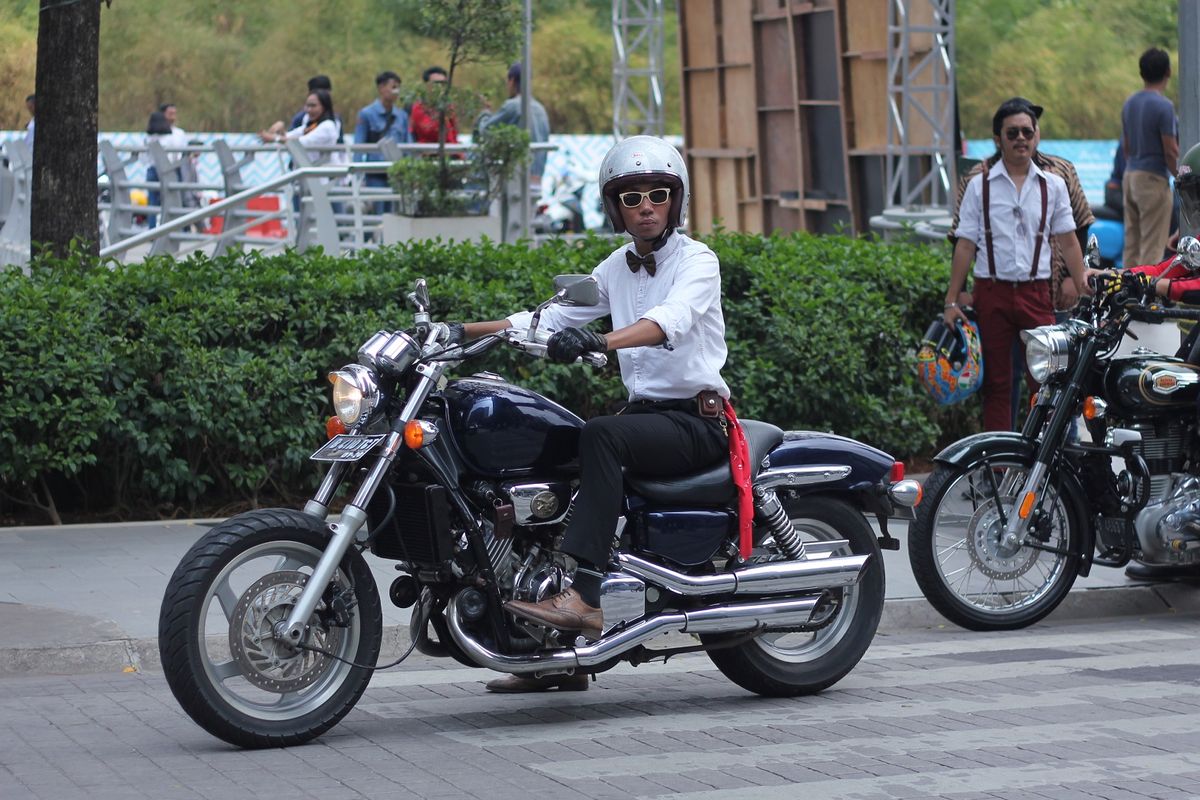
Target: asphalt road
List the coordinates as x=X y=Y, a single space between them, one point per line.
x=1082 y=710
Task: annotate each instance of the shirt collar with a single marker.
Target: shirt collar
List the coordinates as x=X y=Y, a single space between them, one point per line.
x=999 y=168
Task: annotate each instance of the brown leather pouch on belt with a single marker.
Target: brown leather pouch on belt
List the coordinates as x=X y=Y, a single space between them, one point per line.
x=708 y=404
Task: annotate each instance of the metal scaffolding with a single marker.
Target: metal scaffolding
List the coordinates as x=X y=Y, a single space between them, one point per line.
x=920 y=147
x=637 y=67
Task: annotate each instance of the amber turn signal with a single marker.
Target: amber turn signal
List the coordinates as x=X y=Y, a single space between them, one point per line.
x=1027 y=504
x=333 y=427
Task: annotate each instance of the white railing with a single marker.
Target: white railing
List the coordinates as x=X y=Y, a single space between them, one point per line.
x=328 y=205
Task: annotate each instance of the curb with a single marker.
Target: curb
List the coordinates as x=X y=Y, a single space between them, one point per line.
x=899 y=615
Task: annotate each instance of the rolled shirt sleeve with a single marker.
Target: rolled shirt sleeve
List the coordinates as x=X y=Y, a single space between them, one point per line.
x=694 y=293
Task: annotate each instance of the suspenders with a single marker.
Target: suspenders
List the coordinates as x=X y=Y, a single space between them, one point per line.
x=987 y=227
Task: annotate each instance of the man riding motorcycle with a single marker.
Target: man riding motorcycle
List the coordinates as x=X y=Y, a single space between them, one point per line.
x=1176 y=279
x=663 y=292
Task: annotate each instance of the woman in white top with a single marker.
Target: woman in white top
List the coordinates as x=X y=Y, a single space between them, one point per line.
x=318 y=129
x=158 y=129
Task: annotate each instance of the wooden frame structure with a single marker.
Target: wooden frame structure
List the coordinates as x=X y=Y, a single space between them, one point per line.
x=785 y=106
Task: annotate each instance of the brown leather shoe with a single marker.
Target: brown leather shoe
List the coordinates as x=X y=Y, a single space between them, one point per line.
x=515 y=684
x=565 y=611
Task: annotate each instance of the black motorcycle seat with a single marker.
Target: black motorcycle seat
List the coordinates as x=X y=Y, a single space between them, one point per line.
x=1107 y=212
x=714 y=485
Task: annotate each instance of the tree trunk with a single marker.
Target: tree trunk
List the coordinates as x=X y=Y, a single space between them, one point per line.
x=64 y=143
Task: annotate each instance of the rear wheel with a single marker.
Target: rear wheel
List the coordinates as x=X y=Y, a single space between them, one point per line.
x=216 y=639
x=959 y=558
x=789 y=664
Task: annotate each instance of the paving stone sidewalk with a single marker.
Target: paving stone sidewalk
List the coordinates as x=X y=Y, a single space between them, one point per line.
x=1062 y=711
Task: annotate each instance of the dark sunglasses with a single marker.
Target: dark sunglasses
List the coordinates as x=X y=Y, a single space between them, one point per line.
x=1012 y=133
x=634 y=199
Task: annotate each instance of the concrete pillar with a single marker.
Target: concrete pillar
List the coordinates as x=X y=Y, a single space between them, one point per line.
x=1188 y=72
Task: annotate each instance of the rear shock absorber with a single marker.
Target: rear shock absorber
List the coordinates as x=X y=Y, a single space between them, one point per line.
x=769 y=513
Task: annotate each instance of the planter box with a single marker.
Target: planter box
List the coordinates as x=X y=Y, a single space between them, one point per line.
x=396 y=228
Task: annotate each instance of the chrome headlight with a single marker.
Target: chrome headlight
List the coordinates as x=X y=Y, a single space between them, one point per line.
x=1047 y=351
x=355 y=393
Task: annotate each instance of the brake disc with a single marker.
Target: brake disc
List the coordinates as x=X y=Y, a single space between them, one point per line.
x=269 y=663
x=991 y=558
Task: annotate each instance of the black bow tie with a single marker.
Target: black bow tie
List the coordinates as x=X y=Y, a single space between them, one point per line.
x=636 y=262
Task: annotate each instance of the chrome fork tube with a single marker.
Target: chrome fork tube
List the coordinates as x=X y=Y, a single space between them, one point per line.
x=354 y=515
x=1017 y=525
x=318 y=506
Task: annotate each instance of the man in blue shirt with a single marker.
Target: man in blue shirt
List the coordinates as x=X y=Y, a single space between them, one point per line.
x=510 y=114
x=1150 y=139
x=383 y=119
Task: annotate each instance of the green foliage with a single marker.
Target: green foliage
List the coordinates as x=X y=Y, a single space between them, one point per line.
x=430 y=187
x=1078 y=58
x=199 y=382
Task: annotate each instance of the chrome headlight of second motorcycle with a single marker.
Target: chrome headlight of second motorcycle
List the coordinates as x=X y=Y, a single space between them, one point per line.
x=355 y=394
x=1047 y=351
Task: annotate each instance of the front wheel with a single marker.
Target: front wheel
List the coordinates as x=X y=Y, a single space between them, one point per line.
x=215 y=637
x=790 y=664
x=959 y=557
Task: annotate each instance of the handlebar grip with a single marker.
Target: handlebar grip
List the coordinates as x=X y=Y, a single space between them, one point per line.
x=1173 y=313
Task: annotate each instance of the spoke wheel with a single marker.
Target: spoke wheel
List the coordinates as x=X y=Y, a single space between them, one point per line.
x=963 y=562
x=216 y=632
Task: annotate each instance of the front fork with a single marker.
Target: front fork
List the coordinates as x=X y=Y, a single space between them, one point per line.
x=1062 y=403
x=354 y=515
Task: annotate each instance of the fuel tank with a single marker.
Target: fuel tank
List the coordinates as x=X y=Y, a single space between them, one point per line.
x=506 y=431
x=1141 y=383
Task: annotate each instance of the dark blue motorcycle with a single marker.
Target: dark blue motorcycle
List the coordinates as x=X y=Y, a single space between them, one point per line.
x=271 y=625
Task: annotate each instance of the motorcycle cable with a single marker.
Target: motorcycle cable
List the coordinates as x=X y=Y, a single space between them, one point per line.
x=411 y=646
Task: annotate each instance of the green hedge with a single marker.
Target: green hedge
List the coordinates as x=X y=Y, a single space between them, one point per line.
x=188 y=384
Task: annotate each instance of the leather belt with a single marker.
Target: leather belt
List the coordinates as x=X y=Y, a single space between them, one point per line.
x=1011 y=283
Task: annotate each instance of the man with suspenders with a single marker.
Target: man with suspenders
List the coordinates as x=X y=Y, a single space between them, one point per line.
x=1007 y=219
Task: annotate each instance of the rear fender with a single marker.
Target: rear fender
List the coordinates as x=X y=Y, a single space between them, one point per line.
x=809 y=462
x=966 y=453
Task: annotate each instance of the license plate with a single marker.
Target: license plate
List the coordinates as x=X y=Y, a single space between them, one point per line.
x=345 y=447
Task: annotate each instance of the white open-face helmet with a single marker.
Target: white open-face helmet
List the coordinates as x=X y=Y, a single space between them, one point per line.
x=638 y=159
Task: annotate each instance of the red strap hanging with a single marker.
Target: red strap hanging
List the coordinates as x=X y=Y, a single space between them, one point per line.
x=739 y=467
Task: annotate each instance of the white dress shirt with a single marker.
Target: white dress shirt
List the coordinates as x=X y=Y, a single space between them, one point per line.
x=683 y=297
x=1015 y=219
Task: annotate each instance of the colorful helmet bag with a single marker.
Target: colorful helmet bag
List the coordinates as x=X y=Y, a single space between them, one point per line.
x=950 y=361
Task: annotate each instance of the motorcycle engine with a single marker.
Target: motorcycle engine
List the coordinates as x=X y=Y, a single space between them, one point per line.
x=1169 y=531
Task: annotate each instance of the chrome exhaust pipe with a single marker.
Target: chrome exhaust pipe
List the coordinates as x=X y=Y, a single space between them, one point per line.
x=777 y=577
x=733 y=618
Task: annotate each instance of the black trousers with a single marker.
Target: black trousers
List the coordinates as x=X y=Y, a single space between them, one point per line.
x=648 y=440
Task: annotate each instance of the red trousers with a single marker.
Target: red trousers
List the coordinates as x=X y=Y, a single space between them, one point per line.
x=1005 y=309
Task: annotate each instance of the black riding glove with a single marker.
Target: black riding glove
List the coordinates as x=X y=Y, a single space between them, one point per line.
x=570 y=343
x=1140 y=285
x=458 y=332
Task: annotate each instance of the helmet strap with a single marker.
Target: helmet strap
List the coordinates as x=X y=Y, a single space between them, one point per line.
x=658 y=242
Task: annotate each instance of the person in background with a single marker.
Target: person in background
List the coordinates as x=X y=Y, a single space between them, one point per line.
x=318 y=129
x=300 y=118
x=1007 y=218
x=31 y=107
x=510 y=114
x=1062 y=291
x=1150 y=141
x=423 y=122
x=382 y=119
x=158 y=129
x=171 y=113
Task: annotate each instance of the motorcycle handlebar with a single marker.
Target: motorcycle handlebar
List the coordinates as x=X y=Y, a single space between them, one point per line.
x=537 y=347
x=1165 y=313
